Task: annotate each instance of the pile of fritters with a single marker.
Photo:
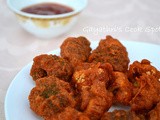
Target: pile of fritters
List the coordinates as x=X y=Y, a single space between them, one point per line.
x=82 y=84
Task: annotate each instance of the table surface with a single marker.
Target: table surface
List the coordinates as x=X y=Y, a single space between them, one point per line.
x=132 y=20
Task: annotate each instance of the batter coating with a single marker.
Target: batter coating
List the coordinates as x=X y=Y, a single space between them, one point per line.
x=91 y=84
x=111 y=51
x=51 y=96
x=75 y=50
x=48 y=65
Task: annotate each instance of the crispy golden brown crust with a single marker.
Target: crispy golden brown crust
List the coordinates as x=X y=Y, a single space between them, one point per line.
x=146 y=91
x=154 y=114
x=75 y=50
x=122 y=115
x=122 y=89
x=69 y=113
x=146 y=94
x=91 y=84
x=112 y=51
x=48 y=65
x=137 y=68
x=94 y=83
x=50 y=96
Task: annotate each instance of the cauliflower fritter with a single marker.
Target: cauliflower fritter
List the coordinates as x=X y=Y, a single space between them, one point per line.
x=110 y=50
x=121 y=89
x=136 y=70
x=51 y=96
x=86 y=76
x=91 y=84
x=146 y=95
x=83 y=66
x=154 y=114
x=47 y=65
x=145 y=79
x=99 y=100
x=69 y=113
x=122 y=115
x=80 y=85
x=75 y=50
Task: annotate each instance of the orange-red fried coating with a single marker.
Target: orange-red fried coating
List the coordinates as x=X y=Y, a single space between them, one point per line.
x=155 y=113
x=83 y=66
x=112 y=51
x=121 y=89
x=50 y=96
x=69 y=113
x=83 y=85
x=145 y=79
x=47 y=65
x=36 y=71
x=136 y=69
x=75 y=49
x=86 y=76
x=122 y=115
x=146 y=94
x=144 y=67
x=92 y=83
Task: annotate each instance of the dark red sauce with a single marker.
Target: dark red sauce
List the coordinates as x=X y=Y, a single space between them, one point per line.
x=47 y=9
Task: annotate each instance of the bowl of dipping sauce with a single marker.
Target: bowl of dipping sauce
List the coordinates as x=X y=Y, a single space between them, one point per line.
x=47 y=18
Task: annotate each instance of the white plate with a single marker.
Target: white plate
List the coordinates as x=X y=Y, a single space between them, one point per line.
x=16 y=101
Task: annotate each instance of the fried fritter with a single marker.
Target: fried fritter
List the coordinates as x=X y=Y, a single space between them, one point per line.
x=122 y=115
x=47 y=65
x=75 y=50
x=110 y=50
x=84 y=66
x=51 y=96
x=69 y=114
x=121 y=89
x=86 y=76
x=99 y=100
x=146 y=95
x=145 y=79
x=155 y=113
x=81 y=85
x=136 y=69
x=91 y=84
x=36 y=71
